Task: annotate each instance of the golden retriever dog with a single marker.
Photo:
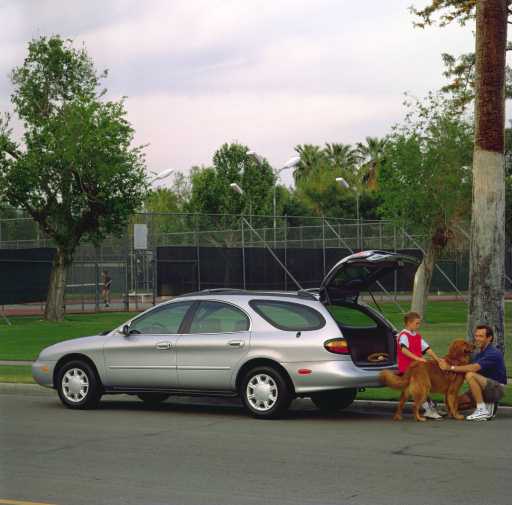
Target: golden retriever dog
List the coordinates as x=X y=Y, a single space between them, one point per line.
x=420 y=379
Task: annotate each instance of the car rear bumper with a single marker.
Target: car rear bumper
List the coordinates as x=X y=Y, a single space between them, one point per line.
x=42 y=372
x=326 y=375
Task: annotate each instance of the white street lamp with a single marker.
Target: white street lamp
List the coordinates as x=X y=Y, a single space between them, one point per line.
x=346 y=185
x=161 y=175
x=235 y=187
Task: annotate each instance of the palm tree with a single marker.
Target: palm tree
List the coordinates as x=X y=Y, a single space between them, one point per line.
x=312 y=158
x=372 y=155
x=342 y=156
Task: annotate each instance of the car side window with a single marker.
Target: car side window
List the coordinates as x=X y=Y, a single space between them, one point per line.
x=288 y=316
x=163 y=320
x=217 y=317
x=351 y=317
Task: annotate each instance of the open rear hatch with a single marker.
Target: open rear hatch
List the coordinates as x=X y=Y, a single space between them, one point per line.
x=371 y=338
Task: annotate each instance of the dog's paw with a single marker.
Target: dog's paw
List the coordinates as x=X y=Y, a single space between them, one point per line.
x=397 y=417
x=421 y=419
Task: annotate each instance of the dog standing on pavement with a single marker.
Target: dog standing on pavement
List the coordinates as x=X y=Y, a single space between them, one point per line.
x=420 y=379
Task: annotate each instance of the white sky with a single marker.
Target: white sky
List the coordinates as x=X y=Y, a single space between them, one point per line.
x=270 y=74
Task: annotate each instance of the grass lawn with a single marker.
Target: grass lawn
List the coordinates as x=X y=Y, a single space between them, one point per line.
x=16 y=373
x=29 y=334
x=445 y=321
x=26 y=337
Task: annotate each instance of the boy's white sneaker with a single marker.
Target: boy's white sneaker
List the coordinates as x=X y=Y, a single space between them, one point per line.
x=479 y=415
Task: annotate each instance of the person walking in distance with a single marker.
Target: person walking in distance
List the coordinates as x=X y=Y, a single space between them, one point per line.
x=106 y=284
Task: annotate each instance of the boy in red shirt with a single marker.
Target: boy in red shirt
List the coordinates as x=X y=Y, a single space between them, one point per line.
x=410 y=347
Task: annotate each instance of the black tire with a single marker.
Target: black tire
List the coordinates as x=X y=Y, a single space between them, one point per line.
x=153 y=398
x=78 y=386
x=274 y=396
x=333 y=401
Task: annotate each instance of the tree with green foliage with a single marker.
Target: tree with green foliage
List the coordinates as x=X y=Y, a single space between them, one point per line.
x=425 y=180
x=75 y=172
x=487 y=242
x=343 y=157
x=371 y=154
x=166 y=206
x=317 y=189
x=312 y=159
x=210 y=191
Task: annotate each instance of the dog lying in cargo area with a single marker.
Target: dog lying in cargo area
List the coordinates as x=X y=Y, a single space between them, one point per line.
x=420 y=379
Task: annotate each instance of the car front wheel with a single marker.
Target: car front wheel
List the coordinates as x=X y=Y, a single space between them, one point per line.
x=333 y=401
x=77 y=386
x=265 y=393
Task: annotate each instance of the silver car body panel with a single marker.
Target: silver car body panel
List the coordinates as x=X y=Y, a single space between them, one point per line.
x=212 y=362
x=147 y=360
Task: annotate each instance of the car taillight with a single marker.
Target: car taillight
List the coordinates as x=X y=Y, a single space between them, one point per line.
x=337 y=346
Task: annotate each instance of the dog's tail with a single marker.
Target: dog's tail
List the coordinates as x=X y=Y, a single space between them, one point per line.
x=390 y=379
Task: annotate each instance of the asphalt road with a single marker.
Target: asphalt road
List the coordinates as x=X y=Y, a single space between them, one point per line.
x=210 y=452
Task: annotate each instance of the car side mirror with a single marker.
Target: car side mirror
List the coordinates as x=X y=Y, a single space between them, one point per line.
x=126 y=330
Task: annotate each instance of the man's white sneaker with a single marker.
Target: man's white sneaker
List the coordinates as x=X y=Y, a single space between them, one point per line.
x=432 y=414
x=479 y=415
x=492 y=408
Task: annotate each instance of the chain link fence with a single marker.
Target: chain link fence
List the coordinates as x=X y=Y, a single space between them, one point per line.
x=209 y=250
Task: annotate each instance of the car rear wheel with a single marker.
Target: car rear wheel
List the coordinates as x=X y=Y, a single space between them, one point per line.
x=153 y=398
x=265 y=393
x=77 y=386
x=333 y=401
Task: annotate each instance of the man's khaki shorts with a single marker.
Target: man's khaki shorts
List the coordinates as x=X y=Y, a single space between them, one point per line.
x=493 y=391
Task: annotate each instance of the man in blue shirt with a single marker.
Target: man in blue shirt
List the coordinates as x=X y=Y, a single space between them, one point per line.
x=486 y=375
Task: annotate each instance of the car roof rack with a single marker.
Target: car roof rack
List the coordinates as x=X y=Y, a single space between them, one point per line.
x=235 y=291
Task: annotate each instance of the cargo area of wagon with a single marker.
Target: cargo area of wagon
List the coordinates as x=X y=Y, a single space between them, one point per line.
x=371 y=340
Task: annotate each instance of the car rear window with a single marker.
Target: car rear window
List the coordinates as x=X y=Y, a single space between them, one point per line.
x=288 y=316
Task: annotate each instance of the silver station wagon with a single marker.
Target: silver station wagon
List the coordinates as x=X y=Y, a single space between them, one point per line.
x=265 y=347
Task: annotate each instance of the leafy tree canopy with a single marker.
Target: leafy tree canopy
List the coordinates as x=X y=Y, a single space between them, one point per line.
x=425 y=180
x=444 y=12
x=75 y=171
x=210 y=186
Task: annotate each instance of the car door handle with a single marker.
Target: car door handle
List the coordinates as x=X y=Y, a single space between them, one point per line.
x=236 y=343
x=162 y=346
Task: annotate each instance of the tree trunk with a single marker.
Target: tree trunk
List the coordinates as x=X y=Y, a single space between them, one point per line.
x=54 y=310
x=487 y=245
x=422 y=280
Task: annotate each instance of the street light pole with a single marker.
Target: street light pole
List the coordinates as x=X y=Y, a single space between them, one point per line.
x=346 y=185
x=291 y=163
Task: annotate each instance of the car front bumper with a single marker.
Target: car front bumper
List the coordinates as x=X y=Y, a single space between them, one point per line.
x=42 y=372
x=327 y=375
